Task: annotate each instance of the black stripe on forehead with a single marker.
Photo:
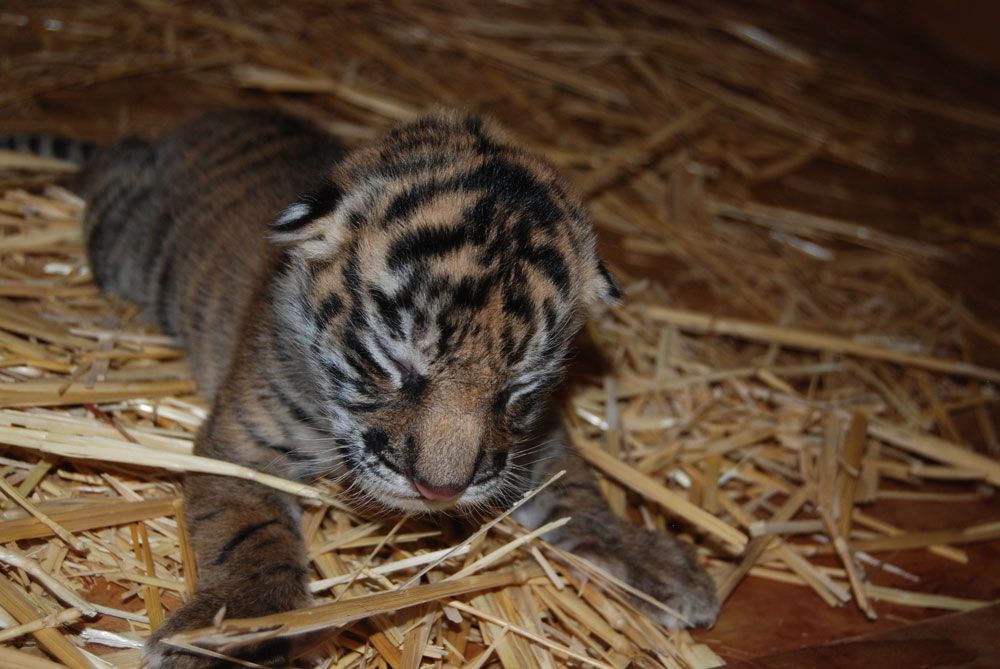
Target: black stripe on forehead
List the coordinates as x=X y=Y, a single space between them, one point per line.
x=425 y=243
x=482 y=221
x=472 y=293
x=410 y=200
x=551 y=263
x=515 y=189
x=518 y=188
x=517 y=303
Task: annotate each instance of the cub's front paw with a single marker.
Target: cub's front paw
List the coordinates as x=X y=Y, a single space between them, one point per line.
x=201 y=611
x=659 y=565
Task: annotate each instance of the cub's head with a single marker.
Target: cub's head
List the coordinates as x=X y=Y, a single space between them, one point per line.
x=433 y=284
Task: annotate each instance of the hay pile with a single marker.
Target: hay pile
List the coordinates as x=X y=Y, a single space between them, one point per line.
x=769 y=374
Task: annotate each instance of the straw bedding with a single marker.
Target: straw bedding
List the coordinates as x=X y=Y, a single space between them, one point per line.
x=768 y=375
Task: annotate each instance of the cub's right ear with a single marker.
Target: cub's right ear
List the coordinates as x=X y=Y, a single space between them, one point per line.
x=298 y=222
x=601 y=287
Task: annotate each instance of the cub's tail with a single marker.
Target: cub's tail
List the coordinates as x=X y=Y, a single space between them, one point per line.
x=78 y=151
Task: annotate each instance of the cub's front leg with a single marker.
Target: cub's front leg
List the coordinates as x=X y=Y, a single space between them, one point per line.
x=251 y=560
x=658 y=564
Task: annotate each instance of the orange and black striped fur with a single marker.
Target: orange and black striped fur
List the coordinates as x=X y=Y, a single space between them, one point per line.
x=394 y=316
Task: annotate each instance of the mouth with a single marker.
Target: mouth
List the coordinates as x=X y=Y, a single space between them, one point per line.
x=419 y=504
x=393 y=490
x=399 y=495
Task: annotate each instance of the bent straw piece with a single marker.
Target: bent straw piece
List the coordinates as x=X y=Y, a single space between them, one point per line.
x=55 y=423
x=708 y=324
x=756 y=547
x=815 y=578
x=108 y=449
x=751 y=554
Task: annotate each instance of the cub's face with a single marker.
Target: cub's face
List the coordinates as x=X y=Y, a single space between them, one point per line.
x=434 y=284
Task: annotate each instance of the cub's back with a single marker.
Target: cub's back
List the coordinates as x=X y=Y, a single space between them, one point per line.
x=179 y=225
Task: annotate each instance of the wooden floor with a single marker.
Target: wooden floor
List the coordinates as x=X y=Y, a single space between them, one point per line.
x=966 y=640
x=764 y=624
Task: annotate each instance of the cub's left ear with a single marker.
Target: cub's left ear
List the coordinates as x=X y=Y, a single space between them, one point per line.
x=300 y=221
x=603 y=287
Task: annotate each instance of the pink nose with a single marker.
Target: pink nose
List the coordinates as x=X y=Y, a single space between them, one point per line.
x=437 y=493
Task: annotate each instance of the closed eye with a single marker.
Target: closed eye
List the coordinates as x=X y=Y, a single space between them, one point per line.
x=512 y=393
x=399 y=372
x=519 y=390
x=408 y=381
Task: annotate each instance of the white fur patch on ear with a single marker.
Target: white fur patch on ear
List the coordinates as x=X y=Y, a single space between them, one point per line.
x=296 y=222
x=292 y=214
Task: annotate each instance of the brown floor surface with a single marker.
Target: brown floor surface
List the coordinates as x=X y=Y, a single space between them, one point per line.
x=966 y=640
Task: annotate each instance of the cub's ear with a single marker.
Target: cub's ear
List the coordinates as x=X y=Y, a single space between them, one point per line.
x=300 y=220
x=612 y=292
x=603 y=287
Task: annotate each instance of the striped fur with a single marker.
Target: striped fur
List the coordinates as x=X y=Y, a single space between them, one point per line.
x=393 y=317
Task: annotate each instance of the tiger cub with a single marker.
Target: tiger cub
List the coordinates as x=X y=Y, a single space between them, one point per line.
x=393 y=317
